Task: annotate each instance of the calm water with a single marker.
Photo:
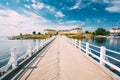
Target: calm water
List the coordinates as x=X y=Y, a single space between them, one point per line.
x=112 y=44
x=19 y=45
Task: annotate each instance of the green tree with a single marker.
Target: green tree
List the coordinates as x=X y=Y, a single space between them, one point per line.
x=106 y=33
x=34 y=32
x=21 y=34
x=100 y=31
x=86 y=32
x=39 y=33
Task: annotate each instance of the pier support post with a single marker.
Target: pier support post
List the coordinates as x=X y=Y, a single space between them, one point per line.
x=87 y=48
x=13 y=58
x=102 y=55
x=80 y=45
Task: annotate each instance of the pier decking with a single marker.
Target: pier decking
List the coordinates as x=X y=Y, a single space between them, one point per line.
x=62 y=61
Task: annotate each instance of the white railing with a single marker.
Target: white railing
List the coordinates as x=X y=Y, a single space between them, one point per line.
x=99 y=54
x=13 y=59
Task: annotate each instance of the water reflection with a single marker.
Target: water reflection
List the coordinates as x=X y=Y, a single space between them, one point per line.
x=114 y=42
x=100 y=40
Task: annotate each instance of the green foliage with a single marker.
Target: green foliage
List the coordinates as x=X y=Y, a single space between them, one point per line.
x=101 y=31
x=87 y=32
x=21 y=34
x=30 y=36
x=39 y=33
x=106 y=33
x=75 y=36
x=34 y=32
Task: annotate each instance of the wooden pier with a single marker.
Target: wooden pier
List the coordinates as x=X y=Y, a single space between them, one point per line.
x=62 y=61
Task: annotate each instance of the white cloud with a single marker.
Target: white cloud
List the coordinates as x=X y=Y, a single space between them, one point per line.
x=27 y=6
x=17 y=1
x=76 y=6
x=115 y=6
x=106 y=1
x=38 y=6
x=99 y=21
x=7 y=3
x=27 y=0
x=59 y=14
x=65 y=27
x=34 y=1
x=89 y=28
x=94 y=9
x=55 y=12
x=76 y=22
x=13 y=23
x=73 y=21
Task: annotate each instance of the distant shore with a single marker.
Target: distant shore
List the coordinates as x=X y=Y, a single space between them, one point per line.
x=30 y=36
x=85 y=36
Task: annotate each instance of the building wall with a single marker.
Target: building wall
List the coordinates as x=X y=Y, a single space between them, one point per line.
x=63 y=32
x=49 y=32
x=115 y=32
x=79 y=31
x=74 y=31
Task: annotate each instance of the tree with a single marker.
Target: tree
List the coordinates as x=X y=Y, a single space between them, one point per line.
x=39 y=33
x=34 y=32
x=86 y=32
x=100 y=31
x=21 y=34
x=106 y=33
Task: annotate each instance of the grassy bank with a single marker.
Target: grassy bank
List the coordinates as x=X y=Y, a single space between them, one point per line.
x=31 y=36
x=82 y=36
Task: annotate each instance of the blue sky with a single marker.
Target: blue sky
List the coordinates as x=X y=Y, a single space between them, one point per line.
x=26 y=16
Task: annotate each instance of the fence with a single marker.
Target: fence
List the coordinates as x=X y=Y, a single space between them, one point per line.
x=13 y=60
x=106 y=58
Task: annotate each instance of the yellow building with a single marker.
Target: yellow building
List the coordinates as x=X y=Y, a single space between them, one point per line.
x=76 y=31
x=72 y=31
x=49 y=31
x=63 y=32
x=115 y=32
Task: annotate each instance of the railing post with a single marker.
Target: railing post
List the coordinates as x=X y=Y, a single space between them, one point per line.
x=41 y=43
x=13 y=58
x=72 y=41
x=80 y=45
x=37 y=45
x=76 y=43
x=87 y=48
x=102 y=55
x=29 y=52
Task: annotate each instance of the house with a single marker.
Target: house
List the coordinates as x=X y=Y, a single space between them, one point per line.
x=50 y=31
x=63 y=32
x=76 y=31
x=115 y=32
x=72 y=31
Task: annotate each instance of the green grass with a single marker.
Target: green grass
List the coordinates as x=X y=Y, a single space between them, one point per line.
x=75 y=36
x=30 y=36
